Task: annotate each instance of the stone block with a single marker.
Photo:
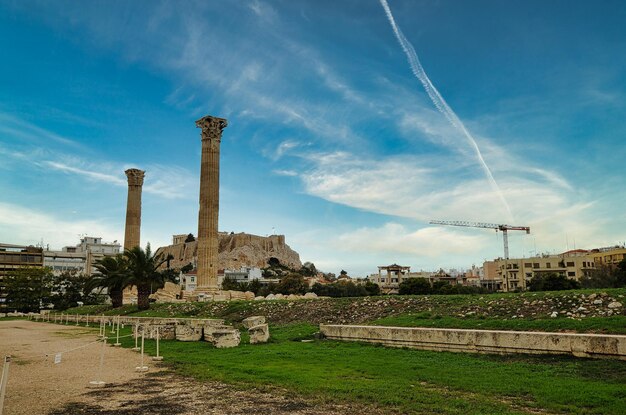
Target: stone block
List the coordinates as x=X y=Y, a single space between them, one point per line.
x=212 y=322
x=190 y=332
x=249 y=295
x=310 y=295
x=224 y=338
x=166 y=331
x=210 y=329
x=259 y=298
x=253 y=321
x=259 y=334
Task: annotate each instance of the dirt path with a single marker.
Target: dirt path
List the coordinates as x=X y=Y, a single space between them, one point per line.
x=38 y=386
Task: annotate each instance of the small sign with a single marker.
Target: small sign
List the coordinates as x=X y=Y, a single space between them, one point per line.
x=57 y=358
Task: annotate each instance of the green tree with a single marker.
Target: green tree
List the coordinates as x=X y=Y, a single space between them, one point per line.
x=186 y=268
x=230 y=283
x=113 y=275
x=308 y=269
x=551 y=281
x=620 y=274
x=415 y=286
x=28 y=289
x=69 y=288
x=292 y=283
x=254 y=286
x=372 y=288
x=144 y=273
x=603 y=276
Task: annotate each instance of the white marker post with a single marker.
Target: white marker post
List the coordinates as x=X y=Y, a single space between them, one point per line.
x=3 y=381
x=157 y=358
x=136 y=348
x=117 y=339
x=99 y=382
x=87 y=321
x=77 y=319
x=142 y=367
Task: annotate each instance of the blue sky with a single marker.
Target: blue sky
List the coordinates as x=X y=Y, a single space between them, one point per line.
x=332 y=140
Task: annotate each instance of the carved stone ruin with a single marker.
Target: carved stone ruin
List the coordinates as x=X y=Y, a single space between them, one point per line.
x=133 y=208
x=259 y=334
x=208 y=215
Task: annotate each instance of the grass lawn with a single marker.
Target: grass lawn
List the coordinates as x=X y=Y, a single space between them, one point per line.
x=613 y=324
x=408 y=381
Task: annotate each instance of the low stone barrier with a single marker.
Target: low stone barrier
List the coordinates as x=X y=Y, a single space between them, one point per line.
x=483 y=341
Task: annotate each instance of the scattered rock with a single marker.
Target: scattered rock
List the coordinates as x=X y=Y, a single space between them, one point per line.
x=253 y=321
x=259 y=334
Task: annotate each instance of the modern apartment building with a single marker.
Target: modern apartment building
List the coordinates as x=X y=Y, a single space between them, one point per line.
x=515 y=273
x=14 y=257
x=81 y=257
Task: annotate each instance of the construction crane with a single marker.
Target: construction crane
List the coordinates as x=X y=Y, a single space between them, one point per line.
x=503 y=228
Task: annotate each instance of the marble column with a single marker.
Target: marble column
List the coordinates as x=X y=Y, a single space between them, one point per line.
x=208 y=216
x=133 y=208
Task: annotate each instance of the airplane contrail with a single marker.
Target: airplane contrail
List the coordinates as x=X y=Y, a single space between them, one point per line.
x=440 y=103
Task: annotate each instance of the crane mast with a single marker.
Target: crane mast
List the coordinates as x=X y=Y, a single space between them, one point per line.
x=498 y=227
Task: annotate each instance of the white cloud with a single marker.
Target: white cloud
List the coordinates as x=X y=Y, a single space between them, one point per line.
x=393 y=238
x=284 y=148
x=288 y=173
x=89 y=174
x=29 y=227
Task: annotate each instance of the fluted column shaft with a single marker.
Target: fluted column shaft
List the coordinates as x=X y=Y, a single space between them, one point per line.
x=132 y=231
x=208 y=215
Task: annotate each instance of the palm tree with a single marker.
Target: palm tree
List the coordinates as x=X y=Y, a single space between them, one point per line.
x=112 y=275
x=145 y=274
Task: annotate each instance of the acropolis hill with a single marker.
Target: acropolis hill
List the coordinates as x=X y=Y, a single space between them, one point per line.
x=236 y=250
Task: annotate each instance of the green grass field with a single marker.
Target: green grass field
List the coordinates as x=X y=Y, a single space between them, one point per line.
x=403 y=380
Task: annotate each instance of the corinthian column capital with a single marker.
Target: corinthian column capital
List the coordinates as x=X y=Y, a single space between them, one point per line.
x=211 y=127
x=135 y=177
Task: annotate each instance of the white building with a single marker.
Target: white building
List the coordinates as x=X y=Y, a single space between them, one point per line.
x=79 y=258
x=244 y=274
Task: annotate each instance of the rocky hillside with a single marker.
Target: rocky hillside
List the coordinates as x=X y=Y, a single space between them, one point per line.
x=237 y=250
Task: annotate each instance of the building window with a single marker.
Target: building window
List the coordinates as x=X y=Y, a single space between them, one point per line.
x=548 y=265
x=536 y=265
x=528 y=265
x=571 y=274
x=570 y=264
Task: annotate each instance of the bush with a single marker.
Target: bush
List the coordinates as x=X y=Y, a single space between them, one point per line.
x=552 y=282
x=292 y=283
x=343 y=289
x=371 y=288
x=413 y=286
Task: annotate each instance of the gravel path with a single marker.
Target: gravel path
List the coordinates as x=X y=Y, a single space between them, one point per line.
x=38 y=386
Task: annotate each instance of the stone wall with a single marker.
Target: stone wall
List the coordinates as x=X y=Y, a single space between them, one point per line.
x=483 y=341
x=237 y=250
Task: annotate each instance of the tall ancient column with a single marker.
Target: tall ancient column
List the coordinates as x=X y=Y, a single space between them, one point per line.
x=209 y=202
x=133 y=208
